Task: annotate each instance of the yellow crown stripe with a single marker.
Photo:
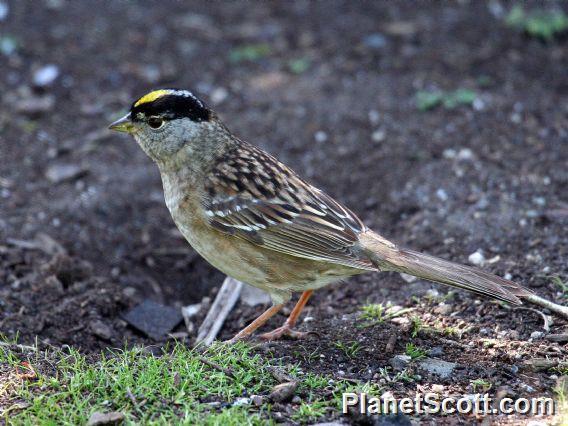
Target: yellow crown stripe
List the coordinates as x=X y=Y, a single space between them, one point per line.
x=151 y=97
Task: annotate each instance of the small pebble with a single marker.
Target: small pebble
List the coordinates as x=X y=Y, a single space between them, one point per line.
x=256 y=400
x=436 y=351
x=399 y=362
x=374 y=116
x=8 y=45
x=408 y=278
x=478 y=104
x=527 y=388
x=378 y=136
x=99 y=419
x=443 y=309
x=375 y=41
x=442 y=194
x=320 y=136
x=465 y=154
x=283 y=392
x=241 y=401
x=64 y=172
x=476 y=258
x=45 y=76
x=34 y=105
x=219 y=95
x=101 y=330
x=438 y=388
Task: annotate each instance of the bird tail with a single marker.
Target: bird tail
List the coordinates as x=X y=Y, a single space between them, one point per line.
x=387 y=257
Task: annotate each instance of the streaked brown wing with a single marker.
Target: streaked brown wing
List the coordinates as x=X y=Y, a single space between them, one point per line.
x=253 y=196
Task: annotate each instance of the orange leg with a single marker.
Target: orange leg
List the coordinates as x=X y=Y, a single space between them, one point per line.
x=286 y=329
x=251 y=328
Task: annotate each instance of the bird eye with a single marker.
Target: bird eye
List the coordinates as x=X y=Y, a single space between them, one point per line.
x=155 y=122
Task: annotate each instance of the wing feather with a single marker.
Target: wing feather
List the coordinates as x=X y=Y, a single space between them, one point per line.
x=253 y=196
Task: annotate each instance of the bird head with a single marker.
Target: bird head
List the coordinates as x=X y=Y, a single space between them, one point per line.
x=165 y=120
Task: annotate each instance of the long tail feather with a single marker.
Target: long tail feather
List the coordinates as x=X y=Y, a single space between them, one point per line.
x=389 y=257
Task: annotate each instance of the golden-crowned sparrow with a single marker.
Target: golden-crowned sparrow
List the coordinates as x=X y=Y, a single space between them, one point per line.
x=256 y=220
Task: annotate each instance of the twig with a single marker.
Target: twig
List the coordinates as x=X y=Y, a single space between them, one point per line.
x=224 y=302
x=553 y=307
x=541 y=364
x=227 y=371
x=20 y=347
x=42 y=242
x=131 y=396
x=560 y=338
x=546 y=325
x=430 y=332
x=389 y=348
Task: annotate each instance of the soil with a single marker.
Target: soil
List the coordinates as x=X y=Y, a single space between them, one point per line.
x=334 y=96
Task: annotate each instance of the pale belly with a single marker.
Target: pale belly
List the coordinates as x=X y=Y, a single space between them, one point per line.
x=277 y=273
x=223 y=256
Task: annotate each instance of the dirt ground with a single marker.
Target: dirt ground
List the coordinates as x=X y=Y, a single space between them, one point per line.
x=329 y=88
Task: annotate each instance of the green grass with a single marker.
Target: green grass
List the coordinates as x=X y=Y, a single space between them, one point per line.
x=561 y=392
x=349 y=349
x=416 y=325
x=414 y=352
x=481 y=385
x=400 y=376
x=378 y=313
x=561 y=284
x=178 y=386
x=299 y=66
x=310 y=383
x=147 y=389
x=310 y=411
x=8 y=45
x=539 y=23
x=427 y=100
x=249 y=52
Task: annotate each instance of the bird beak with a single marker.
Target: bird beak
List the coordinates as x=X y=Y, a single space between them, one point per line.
x=123 y=125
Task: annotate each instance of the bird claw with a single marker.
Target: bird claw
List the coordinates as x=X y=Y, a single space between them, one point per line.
x=284 y=331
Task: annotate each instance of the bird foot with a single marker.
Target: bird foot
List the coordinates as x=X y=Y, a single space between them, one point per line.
x=286 y=331
x=236 y=338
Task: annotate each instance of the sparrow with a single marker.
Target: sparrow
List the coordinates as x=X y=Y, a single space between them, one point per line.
x=258 y=221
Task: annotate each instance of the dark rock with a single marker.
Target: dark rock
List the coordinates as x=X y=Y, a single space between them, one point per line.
x=392 y=420
x=436 y=351
x=400 y=362
x=256 y=400
x=437 y=367
x=153 y=319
